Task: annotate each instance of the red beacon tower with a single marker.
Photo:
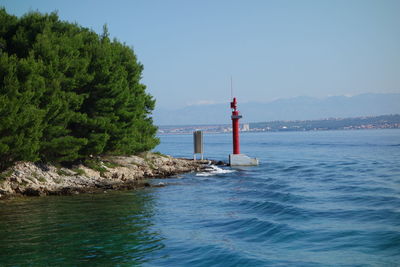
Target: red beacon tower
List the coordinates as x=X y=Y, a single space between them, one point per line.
x=235 y=126
x=237 y=159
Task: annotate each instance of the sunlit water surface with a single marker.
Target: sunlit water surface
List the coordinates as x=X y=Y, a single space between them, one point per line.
x=316 y=199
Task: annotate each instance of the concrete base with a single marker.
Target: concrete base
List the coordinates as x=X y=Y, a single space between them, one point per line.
x=242 y=160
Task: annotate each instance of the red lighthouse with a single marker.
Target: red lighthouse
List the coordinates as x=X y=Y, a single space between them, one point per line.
x=235 y=126
x=237 y=159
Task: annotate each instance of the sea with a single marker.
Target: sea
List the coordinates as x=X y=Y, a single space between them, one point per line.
x=318 y=198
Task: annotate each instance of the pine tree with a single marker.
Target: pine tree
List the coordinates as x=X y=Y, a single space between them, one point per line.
x=64 y=71
x=67 y=93
x=20 y=117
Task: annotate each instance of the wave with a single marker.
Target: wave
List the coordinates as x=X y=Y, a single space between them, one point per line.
x=213 y=170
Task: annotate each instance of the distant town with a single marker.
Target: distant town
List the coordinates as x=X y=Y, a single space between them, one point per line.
x=357 y=123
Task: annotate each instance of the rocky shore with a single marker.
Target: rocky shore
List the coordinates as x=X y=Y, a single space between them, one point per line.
x=97 y=175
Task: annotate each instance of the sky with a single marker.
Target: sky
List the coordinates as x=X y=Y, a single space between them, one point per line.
x=190 y=49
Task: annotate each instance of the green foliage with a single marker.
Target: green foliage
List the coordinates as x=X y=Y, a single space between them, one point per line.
x=5 y=174
x=62 y=172
x=67 y=93
x=149 y=161
x=159 y=154
x=20 y=117
x=110 y=164
x=79 y=171
x=96 y=165
x=36 y=176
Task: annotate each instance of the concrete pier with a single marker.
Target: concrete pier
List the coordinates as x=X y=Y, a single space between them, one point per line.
x=237 y=159
x=242 y=160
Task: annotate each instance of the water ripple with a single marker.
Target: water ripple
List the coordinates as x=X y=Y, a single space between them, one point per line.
x=316 y=199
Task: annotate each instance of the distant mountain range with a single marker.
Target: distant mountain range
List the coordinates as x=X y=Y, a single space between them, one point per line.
x=297 y=108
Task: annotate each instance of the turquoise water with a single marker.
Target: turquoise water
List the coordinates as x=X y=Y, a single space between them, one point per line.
x=316 y=199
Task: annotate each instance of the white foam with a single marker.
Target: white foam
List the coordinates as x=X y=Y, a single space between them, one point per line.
x=213 y=170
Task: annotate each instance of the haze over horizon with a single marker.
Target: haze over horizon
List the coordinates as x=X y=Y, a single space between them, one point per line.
x=273 y=49
x=295 y=108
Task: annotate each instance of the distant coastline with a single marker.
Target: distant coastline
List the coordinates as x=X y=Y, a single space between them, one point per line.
x=354 y=123
x=282 y=109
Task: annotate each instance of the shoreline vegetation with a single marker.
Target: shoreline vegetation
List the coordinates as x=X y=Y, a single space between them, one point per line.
x=95 y=176
x=73 y=110
x=68 y=96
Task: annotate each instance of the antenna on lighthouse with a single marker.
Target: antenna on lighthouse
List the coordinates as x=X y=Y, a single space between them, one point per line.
x=231 y=89
x=236 y=158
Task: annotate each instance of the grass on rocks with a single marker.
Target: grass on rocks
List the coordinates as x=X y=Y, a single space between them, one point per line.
x=4 y=175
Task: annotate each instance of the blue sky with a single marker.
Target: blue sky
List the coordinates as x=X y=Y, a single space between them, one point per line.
x=273 y=49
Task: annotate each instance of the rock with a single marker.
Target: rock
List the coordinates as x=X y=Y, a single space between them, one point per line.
x=31 y=192
x=129 y=173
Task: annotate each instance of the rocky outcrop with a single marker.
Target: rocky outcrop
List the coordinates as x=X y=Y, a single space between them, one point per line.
x=33 y=179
